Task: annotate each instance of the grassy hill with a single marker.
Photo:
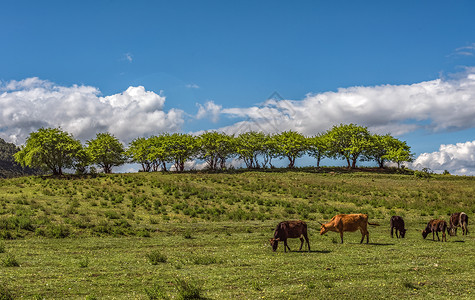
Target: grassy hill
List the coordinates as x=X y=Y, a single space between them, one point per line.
x=99 y=236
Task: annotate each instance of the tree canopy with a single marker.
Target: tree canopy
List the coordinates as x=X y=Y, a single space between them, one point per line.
x=49 y=149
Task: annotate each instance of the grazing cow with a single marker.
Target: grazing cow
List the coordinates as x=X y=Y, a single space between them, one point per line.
x=435 y=226
x=397 y=224
x=350 y=222
x=290 y=229
x=459 y=219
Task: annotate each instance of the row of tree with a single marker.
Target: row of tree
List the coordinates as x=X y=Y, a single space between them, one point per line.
x=55 y=150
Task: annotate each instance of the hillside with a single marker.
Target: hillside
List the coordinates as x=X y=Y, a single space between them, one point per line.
x=143 y=203
x=164 y=236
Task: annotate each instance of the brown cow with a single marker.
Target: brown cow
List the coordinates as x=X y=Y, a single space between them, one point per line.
x=397 y=224
x=350 y=222
x=459 y=219
x=290 y=229
x=435 y=226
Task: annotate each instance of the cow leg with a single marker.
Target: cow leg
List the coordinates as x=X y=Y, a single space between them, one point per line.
x=341 y=236
x=444 y=236
x=286 y=246
x=437 y=234
x=308 y=242
x=301 y=243
x=392 y=232
x=396 y=233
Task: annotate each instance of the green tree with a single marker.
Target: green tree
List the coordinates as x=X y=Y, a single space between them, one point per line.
x=318 y=147
x=400 y=152
x=139 y=152
x=106 y=151
x=290 y=144
x=49 y=149
x=249 y=146
x=160 y=148
x=182 y=147
x=348 y=142
x=215 y=148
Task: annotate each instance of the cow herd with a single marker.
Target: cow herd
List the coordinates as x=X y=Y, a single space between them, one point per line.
x=353 y=222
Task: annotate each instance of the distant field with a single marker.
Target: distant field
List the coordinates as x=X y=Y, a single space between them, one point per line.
x=143 y=236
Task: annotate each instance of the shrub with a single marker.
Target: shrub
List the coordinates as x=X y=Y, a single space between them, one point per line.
x=10 y=261
x=5 y=293
x=84 y=263
x=188 y=290
x=155 y=293
x=155 y=257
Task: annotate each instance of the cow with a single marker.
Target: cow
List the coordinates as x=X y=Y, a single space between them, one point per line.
x=397 y=224
x=435 y=226
x=290 y=229
x=348 y=222
x=459 y=219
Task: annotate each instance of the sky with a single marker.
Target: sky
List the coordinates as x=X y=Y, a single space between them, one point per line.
x=140 y=68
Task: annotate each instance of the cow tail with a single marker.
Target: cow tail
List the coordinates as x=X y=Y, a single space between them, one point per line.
x=374 y=224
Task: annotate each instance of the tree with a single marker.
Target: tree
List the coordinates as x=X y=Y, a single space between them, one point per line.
x=139 y=151
x=400 y=152
x=215 y=148
x=249 y=146
x=106 y=151
x=290 y=144
x=181 y=147
x=317 y=147
x=49 y=149
x=348 y=142
x=160 y=151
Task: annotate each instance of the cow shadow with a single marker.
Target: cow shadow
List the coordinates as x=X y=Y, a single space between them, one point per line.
x=373 y=244
x=312 y=251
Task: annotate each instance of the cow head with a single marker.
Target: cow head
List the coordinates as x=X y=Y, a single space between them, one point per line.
x=323 y=229
x=451 y=231
x=402 y=232
x=274 y=243
x=425 y=232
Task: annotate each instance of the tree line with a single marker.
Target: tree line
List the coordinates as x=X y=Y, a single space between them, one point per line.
x=54 y=150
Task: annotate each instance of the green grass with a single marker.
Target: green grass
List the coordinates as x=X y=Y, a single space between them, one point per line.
x=243 y=266
x=157 y=236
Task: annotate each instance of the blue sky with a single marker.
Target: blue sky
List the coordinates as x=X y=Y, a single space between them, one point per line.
x=211 y=64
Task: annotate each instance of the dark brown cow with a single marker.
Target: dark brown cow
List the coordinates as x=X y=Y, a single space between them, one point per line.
x=350 y=222
x=397 y=224
x=459 y=219
x=290 y=229
x=435 y=226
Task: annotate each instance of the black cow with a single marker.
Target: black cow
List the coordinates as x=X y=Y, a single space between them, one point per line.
x=397 y=224
x=289 y=229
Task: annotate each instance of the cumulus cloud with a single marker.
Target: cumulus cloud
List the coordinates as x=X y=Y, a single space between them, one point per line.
x=32 y=103
x=435 y=105
x=458 y=159
x=209 y=110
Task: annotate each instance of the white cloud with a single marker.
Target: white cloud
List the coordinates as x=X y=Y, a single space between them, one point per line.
x=458 y=159
x=128 y=57
x=32 y=103
x=192 y=86
x=435 y=105
x=210 y=109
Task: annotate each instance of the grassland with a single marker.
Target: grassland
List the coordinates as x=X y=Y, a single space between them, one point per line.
x=143 y=236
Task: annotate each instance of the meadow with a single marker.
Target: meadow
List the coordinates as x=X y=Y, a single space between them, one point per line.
x=179 y=236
